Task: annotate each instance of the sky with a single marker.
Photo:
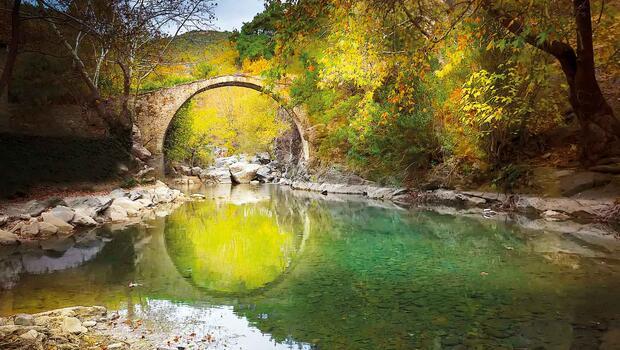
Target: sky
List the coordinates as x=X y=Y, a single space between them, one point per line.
x=232 y=13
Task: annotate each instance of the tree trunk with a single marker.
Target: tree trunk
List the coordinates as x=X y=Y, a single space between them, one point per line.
x=7 y=72
x=600 y=129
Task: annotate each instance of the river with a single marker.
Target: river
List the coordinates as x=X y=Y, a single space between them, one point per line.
x=264 y=267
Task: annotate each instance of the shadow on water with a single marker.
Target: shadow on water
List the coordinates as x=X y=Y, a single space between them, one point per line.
x=282 y=267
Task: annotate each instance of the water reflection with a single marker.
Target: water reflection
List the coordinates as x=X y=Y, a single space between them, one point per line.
x=278 y=268
x=228 y=247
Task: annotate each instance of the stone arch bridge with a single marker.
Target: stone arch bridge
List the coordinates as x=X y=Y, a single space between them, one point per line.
x=155 y=110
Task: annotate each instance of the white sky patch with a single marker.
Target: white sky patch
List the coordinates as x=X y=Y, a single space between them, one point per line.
x=231 y=14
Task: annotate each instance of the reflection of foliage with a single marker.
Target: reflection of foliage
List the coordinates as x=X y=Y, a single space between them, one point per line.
x=391 y=281
x=229 y=248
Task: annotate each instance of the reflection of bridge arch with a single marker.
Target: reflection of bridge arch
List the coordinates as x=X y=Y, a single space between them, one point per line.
x=208 y=279
x=155 y=110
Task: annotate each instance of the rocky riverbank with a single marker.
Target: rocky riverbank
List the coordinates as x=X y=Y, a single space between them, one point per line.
x=55 y=217
x=550 y=209
x=238 y=169
x=92 y=328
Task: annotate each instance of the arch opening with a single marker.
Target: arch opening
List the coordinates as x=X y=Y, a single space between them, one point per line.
x=226 y=120
x=155 y=111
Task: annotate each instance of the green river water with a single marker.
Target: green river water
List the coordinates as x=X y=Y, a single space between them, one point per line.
x=268 y=268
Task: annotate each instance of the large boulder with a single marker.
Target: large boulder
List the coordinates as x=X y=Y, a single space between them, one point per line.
x=243 y=172
x=64 y=213
x=36 y=207
x=217 y=175
x=94 y=205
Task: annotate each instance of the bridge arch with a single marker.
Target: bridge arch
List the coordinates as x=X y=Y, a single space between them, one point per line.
x=155 y=110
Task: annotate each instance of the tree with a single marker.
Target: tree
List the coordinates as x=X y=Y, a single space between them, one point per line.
x=567 y=36
x=133 y=35
x=256 y=38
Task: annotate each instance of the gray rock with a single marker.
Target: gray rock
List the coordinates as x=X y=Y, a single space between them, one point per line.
x=82 y=218
x=63 y=226
x=216 y=175
x=89 y=324
x=127 y=204
x=3 y=220
x=36 y=207
x=72 y=325
x=116 y=213
x=63 y=213
x=581 y=181
x=23 y=320
x=243 y=172
x=118 y=193
x=30 y=229
x=47 y=229
x=97 y=204
x=264 y=173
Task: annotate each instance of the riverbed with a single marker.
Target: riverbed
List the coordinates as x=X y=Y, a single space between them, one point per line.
x=265 y=267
